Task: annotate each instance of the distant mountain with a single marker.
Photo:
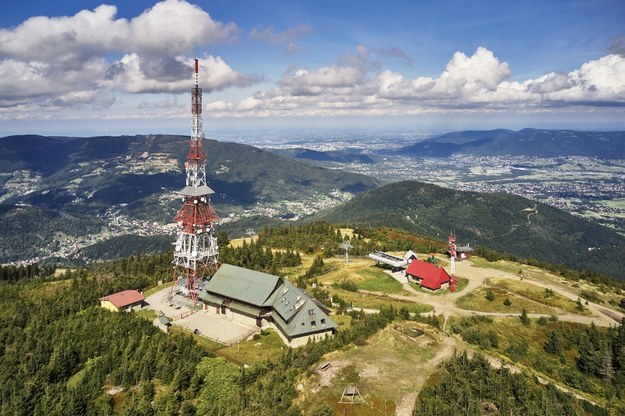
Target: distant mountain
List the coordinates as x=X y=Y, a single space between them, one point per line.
x=339 y=156
x=27 y=232
x=526 y=142
x=135 y=176
x=127 y=169
x=499 y=221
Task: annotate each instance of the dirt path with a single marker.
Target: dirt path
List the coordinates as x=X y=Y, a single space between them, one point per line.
x=446 y=350
x=445 y=304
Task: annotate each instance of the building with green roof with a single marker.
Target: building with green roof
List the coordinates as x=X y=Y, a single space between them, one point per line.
x=260 y=299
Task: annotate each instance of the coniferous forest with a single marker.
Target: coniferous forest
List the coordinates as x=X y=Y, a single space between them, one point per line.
x=61 y=354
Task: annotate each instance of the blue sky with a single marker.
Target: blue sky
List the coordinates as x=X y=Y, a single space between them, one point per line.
x=91 y=67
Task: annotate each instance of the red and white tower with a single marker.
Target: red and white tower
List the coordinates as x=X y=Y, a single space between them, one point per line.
x=196 y=252
x=452 y=261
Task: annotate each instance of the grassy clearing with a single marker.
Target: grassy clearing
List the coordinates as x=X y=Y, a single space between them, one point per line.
x=378 y=281
x=148 y=314
x=238 y=242
x=155 y=289
x=503 y=265
x=476 y=301
x=60 y=272
x=361 y=300
x=343 y=321
x=379 y=369
x=268 y=346
x=538 y=294
x=75 y=380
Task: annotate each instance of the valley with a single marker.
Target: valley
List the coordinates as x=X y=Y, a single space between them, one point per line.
x=591 y=187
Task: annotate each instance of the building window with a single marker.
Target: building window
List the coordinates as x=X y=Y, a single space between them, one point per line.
x=313 y=324
x=311 y=312
x=303 y=324
x=323 y=322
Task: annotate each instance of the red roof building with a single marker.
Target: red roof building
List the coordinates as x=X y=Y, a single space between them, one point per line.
x=122 y=300
x=427 y=274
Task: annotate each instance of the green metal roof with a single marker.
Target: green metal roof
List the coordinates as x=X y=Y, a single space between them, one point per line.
x=293 y=310
x=297 y=314
x=244 y=308
x=210 y=298
x=241 y=284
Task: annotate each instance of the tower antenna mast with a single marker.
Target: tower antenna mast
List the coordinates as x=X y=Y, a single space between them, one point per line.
x=452 y=261
x=196 y=252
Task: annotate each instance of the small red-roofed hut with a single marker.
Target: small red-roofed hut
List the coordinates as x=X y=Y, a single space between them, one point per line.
x=427 y=275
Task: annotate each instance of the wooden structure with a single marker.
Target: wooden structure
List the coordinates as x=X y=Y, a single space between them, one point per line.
x=351 y=395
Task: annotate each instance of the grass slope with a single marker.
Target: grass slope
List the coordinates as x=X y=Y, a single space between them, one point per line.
x=496 y=221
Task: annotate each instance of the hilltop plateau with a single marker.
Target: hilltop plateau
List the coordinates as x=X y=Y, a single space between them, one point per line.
x=513 y=338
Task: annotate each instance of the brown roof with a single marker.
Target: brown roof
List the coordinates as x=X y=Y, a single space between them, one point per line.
x=125 y=298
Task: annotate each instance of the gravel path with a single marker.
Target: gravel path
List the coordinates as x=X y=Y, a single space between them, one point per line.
x=446 y=304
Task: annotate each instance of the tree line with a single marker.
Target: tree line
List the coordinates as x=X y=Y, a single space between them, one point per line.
x=470 y=386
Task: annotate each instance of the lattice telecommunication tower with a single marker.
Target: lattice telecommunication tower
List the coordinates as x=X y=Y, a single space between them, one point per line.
x=196 y=252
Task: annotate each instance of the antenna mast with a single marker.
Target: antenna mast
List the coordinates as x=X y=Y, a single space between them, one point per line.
x=452 y=259
x=196 y=251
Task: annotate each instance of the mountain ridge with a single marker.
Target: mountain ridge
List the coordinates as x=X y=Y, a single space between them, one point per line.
x=498 y=221
x=525 y=142
x=134 y=179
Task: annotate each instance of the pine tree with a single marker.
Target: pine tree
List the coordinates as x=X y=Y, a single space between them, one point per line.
x=524 y=318
x=553 y=345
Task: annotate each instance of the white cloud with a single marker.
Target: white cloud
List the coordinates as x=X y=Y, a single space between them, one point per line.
x=465 y=75
x=66 y=61
x=93 y=58
x=479 y=81
x=135 y=74
x=325 y=77
x=148 y=32
x=93 y=33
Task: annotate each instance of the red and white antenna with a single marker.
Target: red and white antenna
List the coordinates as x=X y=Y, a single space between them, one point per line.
x=196 y=252
x=452 y=258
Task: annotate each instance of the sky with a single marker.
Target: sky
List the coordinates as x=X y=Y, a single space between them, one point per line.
x=126 y=67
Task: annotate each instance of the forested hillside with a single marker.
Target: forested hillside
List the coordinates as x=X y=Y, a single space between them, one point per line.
x=129 y=169
x=61 y=189
x=62 y=354
x=503 y=222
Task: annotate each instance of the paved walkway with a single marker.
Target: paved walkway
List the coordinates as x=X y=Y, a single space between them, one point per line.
x=217 y=328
